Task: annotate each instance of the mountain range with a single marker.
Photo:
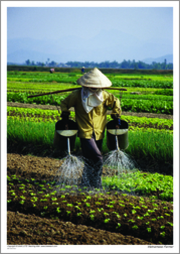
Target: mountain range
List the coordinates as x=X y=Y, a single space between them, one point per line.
x=110 y=45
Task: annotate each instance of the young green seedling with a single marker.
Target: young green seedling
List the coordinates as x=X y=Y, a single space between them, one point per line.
x=110 y=206
x=43 y=200
x=58 y=209
x=92 y=211
x=140 y=218
x=160 y=217
x=163 y=234
x=134 y=211
x=53 y=199
x=106 y=220
x=135 y=227
x=92 y=216
x=97 y=203
x=131 y=220
x=71 y=205
x=118 y=225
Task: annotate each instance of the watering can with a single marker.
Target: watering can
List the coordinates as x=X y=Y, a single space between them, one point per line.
x=65 y=139
x=117 y=138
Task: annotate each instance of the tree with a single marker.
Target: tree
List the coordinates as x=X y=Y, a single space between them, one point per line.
x=28 y=62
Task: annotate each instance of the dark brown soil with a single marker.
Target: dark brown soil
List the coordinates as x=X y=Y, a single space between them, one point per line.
x=30 y=229
x=26 y=225
x=50 y=107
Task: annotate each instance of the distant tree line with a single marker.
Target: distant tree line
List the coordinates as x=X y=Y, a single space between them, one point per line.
x=106 y=64
x=123 y=65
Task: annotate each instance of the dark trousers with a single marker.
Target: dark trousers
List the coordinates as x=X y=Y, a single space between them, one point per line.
x=92 y=171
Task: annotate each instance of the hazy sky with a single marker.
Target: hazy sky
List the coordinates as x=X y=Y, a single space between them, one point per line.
x=85 y=22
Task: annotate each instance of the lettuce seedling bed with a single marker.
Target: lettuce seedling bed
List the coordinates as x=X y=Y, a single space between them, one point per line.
x=144 y=217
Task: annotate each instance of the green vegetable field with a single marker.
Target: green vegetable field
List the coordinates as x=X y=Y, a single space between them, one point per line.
x=135 y=205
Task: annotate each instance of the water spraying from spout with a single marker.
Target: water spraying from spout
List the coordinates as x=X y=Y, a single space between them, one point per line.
x=70 y=172
x=118 y=161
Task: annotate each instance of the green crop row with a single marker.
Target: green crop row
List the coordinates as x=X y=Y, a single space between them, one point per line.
x=142 y=184
x=39 y=87
x=112 y=76
x=43 y=78
x=158 y=107
x=117 y=80
x=37 y=115
x=135 y=105
x=145 y=121
x=118 y=213
x=34 y=112
x=55 y=119
x=142 y=144
x=151 y=97
x=42 y=100
x=136 y=183
x=143 y=83
x=30 y=87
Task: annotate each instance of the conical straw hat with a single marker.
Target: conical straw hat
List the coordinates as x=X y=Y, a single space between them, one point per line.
x=95 y=79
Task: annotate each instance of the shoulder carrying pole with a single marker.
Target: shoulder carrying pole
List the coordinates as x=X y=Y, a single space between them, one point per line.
x=72 y=89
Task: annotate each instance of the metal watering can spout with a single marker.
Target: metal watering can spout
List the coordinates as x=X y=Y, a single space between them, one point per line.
x=68 y=145
x=117 y=145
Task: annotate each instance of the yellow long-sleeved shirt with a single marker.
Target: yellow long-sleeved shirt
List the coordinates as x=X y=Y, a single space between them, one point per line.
x=95 y=120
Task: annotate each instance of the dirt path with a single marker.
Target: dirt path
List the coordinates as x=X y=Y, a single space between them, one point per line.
x=50 y=107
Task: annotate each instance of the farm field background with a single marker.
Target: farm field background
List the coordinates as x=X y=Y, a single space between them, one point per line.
x=147 y=106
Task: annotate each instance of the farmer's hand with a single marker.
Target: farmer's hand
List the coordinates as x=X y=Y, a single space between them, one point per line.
x=117 y=120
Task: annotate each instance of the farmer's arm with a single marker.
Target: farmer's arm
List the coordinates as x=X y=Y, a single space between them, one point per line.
x=68 y=102
x=114 y=104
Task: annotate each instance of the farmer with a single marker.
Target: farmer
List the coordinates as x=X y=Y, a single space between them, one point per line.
x=82 y=69
x=91 y=104
x=51 y=70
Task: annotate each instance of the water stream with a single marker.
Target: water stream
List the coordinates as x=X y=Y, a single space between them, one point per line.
x=70 y=171
x=118 y=161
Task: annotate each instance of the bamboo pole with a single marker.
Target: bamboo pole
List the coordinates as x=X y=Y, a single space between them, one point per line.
x=72 y=89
